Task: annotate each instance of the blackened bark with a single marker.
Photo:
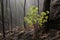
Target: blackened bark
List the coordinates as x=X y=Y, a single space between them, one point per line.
x=24 y=12
x=35 y=31
x=54 y=20
x=55 y=9
x=47 y=8
x=54 y=16
x=15 y=14
x=2 y=8
x=38 y=6
x=47 y=5
x=10 y=16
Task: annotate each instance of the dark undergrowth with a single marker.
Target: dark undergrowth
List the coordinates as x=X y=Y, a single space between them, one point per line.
x=52 y=34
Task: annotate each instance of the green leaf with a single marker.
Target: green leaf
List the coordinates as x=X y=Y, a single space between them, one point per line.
x=43 y=13
x=47 y=12
x=44 y=21
x=46 y=17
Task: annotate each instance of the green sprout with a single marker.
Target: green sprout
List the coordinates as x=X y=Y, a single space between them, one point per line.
x=32 y=17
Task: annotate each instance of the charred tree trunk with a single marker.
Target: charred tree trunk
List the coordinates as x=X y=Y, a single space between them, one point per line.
x=15 y=15
x=10 y=16
x=36 y=26
x=47 y=8
x=38 y=6
x=24 y=12
x=2 y=8
x=47 y=5
x=35 y=36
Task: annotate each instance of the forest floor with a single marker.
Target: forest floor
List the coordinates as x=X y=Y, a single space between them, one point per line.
x=52 y=34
